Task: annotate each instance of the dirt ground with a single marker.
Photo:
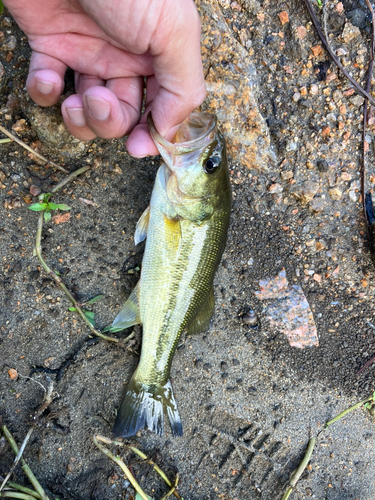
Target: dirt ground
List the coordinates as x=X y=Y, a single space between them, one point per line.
x=248 y=400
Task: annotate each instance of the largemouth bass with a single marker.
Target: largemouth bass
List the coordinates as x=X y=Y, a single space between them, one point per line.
x=186 y=228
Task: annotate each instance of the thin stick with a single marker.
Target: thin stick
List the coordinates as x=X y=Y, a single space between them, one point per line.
x=71 y=176
x=325 y=19
x=32 y=380
x=18 y=458
x=24 y=145
x=368 y=86
x=48 y=398
x=143 y=456
x=25 y=467
x=366 y=365
x=5 y=141
x=54 y=276
x=119 y=462
x=348 y=410
x=59 y=282
x=302 y=466
x=172 y=490
x=357 y=86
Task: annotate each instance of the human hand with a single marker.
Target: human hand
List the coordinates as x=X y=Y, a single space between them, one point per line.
x=112 y=45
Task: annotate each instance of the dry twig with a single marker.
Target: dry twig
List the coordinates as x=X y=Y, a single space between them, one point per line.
x=334 y=58
x=38 y=155
x=302 y=466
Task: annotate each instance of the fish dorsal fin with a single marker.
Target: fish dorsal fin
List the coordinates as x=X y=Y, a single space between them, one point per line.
x=201 y=323
x=142 y=226
x=129 y=314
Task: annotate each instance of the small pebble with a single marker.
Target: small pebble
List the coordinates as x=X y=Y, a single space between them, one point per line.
x=284 y=18
x=322 y=165
x=335 y=193
x=251 y=319
x=275 y=188
x=286 y=175
x=35 y=190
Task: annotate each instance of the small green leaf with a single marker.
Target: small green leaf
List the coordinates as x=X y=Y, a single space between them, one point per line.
x=373 y=396
x=62 y=206
x=72 y=309
x=38 y=207
x=1 y=7
x=95 y=299
x=90 y=316
x=47 y=216
x=47 y=196
x=52 y=206
x=367 y=405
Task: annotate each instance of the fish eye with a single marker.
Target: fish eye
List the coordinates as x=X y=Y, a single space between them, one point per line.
x=211 y=164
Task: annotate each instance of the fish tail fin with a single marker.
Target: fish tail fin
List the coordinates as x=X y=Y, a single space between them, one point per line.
x=143 y=408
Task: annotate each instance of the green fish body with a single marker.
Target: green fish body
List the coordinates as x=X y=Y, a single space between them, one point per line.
x=186 y=228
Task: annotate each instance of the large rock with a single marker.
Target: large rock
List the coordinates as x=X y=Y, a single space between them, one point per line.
x=50 y=128
x=231 y=85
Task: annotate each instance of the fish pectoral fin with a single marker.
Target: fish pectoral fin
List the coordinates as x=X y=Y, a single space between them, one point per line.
x=142 y=226
x=129 y=314
x=202 y=322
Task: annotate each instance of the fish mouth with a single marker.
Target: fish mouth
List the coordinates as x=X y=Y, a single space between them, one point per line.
x=192 y=136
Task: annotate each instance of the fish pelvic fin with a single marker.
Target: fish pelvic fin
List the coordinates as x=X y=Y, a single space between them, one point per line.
x=129 y=314
x=143 y=408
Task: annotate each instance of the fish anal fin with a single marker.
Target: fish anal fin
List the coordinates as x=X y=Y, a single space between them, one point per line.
x=129 y=314
x=143 y=408
x=202 y=321
x=142 y=226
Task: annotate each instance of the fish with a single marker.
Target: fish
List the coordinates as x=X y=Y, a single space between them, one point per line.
x=185 y=227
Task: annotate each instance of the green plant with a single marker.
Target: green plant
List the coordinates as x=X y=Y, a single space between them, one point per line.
x=89 y=314
x=46 y=206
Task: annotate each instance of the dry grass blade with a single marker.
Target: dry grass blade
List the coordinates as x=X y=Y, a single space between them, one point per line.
x=33 y=480
x=17 y=459
x=144 y=457
x=119 y=462
x=24 y=145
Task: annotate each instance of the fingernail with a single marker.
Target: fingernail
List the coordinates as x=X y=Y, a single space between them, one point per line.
x=44 y=87
x=76 y=116
x=99 y=108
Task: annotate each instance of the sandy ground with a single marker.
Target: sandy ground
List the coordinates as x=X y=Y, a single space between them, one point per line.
x=249 y=401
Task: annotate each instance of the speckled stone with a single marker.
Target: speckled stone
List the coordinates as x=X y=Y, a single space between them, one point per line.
x=51 y=130
x=230 y=79
x=317 y=204
x=335 y=193
x=288 y=311
x=350 y=32
x=305 y=191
